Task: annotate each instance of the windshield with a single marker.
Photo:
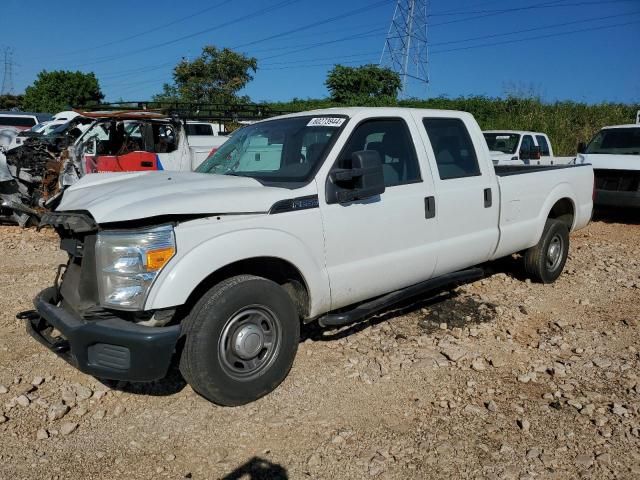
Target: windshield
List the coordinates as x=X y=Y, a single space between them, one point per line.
x=502 y=142
x=617 y=141
x=286 y=150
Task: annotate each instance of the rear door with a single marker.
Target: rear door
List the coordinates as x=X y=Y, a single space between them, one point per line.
x=385 y=243
x=526 y=149
x=546 y=156
x=467 y=196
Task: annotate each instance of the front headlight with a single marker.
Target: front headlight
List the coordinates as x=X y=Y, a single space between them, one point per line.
x=128 y=262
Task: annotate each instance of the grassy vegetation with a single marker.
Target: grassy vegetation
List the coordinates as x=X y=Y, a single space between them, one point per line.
x=566 y=123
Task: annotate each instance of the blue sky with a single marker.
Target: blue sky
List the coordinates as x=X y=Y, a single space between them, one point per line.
x=589 y=52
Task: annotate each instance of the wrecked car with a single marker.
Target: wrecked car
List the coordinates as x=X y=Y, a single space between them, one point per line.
x=137 y=141
x=43 y=166
x=30 y=171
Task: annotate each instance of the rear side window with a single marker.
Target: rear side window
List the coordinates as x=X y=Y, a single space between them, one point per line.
x=18 y=121
x=544 y=145
x=199 y=129
x=527 y=144
x=389 y=137
x=453 y=148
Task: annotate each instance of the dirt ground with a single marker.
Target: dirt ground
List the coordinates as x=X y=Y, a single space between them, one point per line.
x=501 y=378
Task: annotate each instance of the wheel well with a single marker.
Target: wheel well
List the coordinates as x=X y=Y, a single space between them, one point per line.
x=563 y=210
x=275 y=269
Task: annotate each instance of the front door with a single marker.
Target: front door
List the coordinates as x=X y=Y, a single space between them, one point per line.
x=384 y=243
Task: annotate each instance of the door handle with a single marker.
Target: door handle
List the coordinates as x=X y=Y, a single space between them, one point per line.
x=488 y=198
x=429 y=207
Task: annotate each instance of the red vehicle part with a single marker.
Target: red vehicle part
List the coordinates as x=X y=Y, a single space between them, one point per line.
x=131 y=162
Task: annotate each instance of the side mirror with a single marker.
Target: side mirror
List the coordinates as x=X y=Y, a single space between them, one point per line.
x=363 y=180
x=582 y=147
x=524 y=154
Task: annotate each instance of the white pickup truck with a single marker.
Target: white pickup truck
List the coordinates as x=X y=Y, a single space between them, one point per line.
x=615 y=155
x=519 y=147
x=327 y=216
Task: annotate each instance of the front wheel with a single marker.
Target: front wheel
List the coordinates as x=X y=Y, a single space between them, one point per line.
x=545 y=261
x=241 y=340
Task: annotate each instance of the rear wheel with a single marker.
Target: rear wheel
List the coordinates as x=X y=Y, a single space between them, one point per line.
x=545 y=261
x=241 y=340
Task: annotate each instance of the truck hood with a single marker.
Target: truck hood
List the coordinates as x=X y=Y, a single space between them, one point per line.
x=119 y=197
x=610 y=162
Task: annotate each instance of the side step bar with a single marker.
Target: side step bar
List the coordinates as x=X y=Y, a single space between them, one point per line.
x=371 y=307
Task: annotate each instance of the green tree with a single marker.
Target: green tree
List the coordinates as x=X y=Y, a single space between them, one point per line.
x=351 y=85
x=60 y=89
x=216 y=76
x=7 y=102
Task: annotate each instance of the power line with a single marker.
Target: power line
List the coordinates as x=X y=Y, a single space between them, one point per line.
x=309 y=46
x=520 y=40
x=484 y=15
x=303 y=64
x=530 y=7
x=294 y=49
x=145 y=32
x=545 y=27
x=342 y=16
x=256 y=13
x=297 y=48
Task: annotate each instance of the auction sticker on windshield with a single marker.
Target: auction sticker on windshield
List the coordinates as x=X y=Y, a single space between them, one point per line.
x=326 y=122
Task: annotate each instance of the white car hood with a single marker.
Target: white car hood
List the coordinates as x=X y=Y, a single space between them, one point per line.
x=119 y=197
x=610 y=162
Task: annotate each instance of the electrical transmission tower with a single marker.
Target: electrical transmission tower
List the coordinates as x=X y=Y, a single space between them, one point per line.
x=7 y=78
x=405 y=48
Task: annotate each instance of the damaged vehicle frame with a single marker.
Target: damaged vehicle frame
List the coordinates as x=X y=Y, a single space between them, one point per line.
x=30 y=172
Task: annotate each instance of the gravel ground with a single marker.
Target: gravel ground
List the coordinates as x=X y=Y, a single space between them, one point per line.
x=497 y=379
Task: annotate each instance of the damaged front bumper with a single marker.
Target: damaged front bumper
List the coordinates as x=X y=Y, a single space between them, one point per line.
x=110 y=348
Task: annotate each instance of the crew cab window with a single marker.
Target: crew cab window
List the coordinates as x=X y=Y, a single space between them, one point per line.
x=544 y=145
x=389 y=137
x=527 y=144
x=198 y=129
x=453 y=148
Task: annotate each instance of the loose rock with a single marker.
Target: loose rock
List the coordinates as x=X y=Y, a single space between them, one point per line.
x=68 y=428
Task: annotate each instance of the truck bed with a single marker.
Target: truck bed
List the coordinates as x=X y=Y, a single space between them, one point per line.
x=506 y=170
x=526 y=200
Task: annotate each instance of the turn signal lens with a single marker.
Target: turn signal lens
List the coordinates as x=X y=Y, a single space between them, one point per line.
x=156 y=259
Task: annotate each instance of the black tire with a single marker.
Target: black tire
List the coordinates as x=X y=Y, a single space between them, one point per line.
x=544 y=262
x=240 y=340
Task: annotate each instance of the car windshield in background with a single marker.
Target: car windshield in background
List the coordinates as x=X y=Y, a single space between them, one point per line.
x=502 y=142
x=617 y=141
x=285 y=150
